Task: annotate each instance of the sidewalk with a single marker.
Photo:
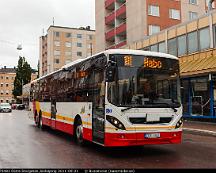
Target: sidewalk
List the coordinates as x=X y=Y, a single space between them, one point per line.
x=200 y=128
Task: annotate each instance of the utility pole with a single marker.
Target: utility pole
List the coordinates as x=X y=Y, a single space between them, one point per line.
x=19 y=47
x=91 y=48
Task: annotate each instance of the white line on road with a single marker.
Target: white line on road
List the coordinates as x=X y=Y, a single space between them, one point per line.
x=201 y=131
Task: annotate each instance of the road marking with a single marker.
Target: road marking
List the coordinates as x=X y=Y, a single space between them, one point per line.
x=201 y=131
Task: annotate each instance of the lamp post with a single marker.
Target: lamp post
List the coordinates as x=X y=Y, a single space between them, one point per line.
x=19 y=47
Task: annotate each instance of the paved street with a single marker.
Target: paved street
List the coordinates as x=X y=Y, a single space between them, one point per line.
x=25 y=146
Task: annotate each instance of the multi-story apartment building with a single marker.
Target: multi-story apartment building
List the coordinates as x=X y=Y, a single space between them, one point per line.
x=62 y=45
x=121 y=22
x=7 y=77
x=194 y=42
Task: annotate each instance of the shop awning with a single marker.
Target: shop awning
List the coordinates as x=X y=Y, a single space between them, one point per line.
x=198 y=66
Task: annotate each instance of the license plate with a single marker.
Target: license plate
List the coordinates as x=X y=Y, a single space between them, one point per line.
x=152 y=135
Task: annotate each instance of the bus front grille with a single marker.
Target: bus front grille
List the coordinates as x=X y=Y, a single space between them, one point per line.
x=142 y=120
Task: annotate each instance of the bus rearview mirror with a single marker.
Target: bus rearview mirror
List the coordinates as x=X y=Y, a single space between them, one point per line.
x=110 y=74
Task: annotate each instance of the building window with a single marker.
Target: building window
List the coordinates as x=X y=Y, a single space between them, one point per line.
x=153 y=10
x=67 y=61
x=57 y=43
x=90 y=37
x=7 y=84
x=2 y=92
x=57 y=61
x=2 y=101
x=68 y=53
x=68 y=35
x=79 y=35
x=56 y=34
x=153 y=29
x=204 y=38
x=68 y=44
x=90 y=46
x=79 y=53
x=7 y=77
x=192 y=42
x=57 y=52
x=182 y=45
x=154 y=48
x=193 y=2
x=2 y=77
x=79 y=44
x=172 y=47
x=7 y=92
x=174 y=14
x=162 y=47
x=192 y=15
x=2 y=84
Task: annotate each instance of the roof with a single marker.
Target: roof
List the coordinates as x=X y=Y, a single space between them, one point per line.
x=196 y=67
x=139 y=52
x=7 y=70
x=81 y=28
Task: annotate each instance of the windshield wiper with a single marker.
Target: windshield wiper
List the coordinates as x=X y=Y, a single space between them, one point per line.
x=172 y=107
x=123 y=110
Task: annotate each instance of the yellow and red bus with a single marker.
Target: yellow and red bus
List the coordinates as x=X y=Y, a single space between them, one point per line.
x=114 y=98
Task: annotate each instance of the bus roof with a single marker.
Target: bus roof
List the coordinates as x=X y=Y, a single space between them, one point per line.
x=139 y=52
x=113 y=51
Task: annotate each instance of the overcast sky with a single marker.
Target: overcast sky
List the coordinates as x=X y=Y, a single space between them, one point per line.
x=22 y=22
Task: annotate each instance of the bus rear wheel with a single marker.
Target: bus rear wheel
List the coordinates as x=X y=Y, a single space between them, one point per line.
x=79 y=132
x=40 y=124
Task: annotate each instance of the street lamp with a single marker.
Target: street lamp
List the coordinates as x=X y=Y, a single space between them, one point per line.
x=19 y=47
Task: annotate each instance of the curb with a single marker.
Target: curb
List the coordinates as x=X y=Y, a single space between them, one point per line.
x=200 y=132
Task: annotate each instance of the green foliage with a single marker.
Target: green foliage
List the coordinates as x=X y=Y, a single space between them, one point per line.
x=23 y=76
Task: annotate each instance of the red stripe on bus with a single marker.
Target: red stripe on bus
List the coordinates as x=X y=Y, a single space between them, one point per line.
x=68 y=128
x=135 y=139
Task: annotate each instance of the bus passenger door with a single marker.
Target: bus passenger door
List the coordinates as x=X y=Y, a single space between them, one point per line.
x=53 y=114
x=98 y=111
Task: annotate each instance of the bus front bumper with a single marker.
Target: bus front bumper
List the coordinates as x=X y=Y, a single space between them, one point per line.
x=137 y=139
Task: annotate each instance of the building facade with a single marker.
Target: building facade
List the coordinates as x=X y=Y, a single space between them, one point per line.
x=121 y=22
x=62 y=45
x=194 y=42
x=7 y=77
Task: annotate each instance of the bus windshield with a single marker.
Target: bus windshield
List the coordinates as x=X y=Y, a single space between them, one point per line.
x=145 y=82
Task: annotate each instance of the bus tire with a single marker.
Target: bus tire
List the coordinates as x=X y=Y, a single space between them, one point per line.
x=36 y=119
x=40 y=124
x=79 y=132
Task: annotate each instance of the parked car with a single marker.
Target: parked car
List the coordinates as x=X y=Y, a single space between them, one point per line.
x=20 y=107
x=5 y=107
x=13 y=106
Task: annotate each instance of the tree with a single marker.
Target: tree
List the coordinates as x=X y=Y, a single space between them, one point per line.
x=23 y=76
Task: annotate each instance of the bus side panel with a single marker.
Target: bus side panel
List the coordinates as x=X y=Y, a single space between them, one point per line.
x=46 y=115
x=66 y=113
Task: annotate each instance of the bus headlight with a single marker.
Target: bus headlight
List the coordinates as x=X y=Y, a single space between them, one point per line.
x=179 y=123
x=115 y=122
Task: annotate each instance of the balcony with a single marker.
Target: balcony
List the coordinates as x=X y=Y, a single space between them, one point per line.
x=110 y=35
x=121 y=29
x=110 y=4
x=120 y=44
x=121 y=12
x=110 y=18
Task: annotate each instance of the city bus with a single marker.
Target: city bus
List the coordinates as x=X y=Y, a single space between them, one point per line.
x=114 y=98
